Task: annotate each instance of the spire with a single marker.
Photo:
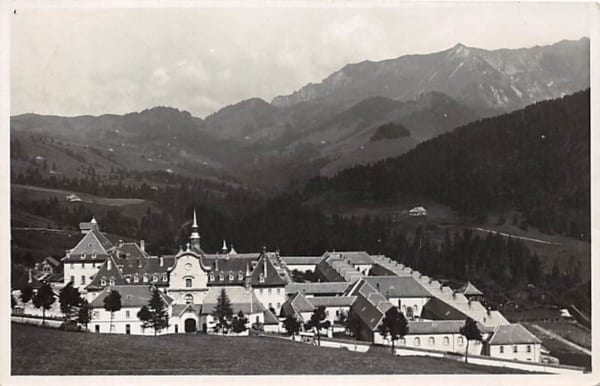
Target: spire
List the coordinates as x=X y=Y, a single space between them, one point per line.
x=224 y=247
x=195 y=236
x=93 y=220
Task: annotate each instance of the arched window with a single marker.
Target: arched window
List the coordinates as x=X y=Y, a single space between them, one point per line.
x=112 y=281
x=188 y=283
x=515 y=348
x=501 y=349
x=240 y=275
x=446 y=341
x=528 y=348
x=93 y=254
x=154 y=278
x=221 y=276
x=136 y=279
x=431 y=341
x=261 y=278
x=189 y=299
x=145 y=278
x=83 y=255
x=164 y=277
x=211 y=277
x=231 y=276
x=460 y=341
x=103 y=282
x=416 y=309
x=417 y=341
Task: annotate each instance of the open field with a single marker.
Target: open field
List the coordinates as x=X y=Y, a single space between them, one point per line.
x=567 y=354
x=571 y=331
x=203 y=354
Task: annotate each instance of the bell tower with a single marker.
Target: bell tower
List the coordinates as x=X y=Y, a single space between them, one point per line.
x=195 y=236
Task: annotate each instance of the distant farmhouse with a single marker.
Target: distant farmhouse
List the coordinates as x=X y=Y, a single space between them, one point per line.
x=417 y=211
x=352 y=284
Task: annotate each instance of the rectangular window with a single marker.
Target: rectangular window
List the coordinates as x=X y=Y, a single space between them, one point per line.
x=528 y=348
x=188 y=283
x=261 y=291
x=72 y=265
x=270 y=291
x=95 y=315
x=97 y=328
x=515 y=348
x=72 y=279
x=82 y=264
x=278 y=291
x=127 y=314
x=501 y=349
x=82 y=279
x=136 y=279
x=164 y=277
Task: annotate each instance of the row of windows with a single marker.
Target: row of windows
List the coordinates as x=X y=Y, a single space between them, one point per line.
x=83 y=255
x=231 y=276
x=269 y=291
x=431 y=341
x=515 y=349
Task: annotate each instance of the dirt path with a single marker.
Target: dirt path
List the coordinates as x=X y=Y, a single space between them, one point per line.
x=517 y=237
x=560 y=338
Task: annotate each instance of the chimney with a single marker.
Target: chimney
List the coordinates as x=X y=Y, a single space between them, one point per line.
x=108 y=265
x=143 y=245
x=265 y=266
x=30 y=280
x=139 y=263
x=162 y=261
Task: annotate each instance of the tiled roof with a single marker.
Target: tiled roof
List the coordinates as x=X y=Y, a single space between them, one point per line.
x=512 y=334
x=179 y=309
x=240 y=298
x=332 y=301
x=469 y=290
x=317 y=288
x=92 y=242
x=266 y=271
x=225 y=265
x=109 y=270
x=328 y=273
x=301 y=260
x=130 y=251
x=398 y=286
x=295 y=305
x=131 y=296
x=52 y=261
x=353 y=257
x=370 y=305
x=270 y=318
x=149 y=266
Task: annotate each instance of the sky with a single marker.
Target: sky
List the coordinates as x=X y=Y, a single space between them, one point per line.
x=78 y=62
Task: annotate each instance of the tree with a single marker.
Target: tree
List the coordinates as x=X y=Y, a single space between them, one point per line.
x=223 y=312
x=470 y=332
x=155 y=314
x=69 y=299
x=394 y=325
x=316 y=321
x=353 y=324
x=44 y=298
x=26 y=293
x=291 y=325
x=84 y=315
x=112 y=303
x=239 y=323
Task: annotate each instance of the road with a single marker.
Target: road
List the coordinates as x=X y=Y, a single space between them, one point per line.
x=560 y=338
x=517 y=237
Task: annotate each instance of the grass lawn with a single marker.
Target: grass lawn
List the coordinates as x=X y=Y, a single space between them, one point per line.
x=43 y=351
x=571 y=331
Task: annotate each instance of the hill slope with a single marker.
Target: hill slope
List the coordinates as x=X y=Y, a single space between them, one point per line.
x=535 y=160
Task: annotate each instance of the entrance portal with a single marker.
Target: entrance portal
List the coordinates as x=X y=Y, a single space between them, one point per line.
x=190 y=325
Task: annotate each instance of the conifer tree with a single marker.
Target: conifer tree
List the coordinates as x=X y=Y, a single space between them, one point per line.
x=223 y=312
x=84 y=315
x=239 y=323
x=291 y=325
x=69 y=299
x=26 y=293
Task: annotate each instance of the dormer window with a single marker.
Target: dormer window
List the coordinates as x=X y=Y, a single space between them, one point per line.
x=211 y=277
x=188 y=283
x=136 y=279
x=103 y=282
x=145 y=278
x=240 y=275
x=154 y=279
x=164 y=277
x=93 y=254
x=261 y=278
x=83 y=255
x=231 y=276
x=112 y=281
x=221 y=276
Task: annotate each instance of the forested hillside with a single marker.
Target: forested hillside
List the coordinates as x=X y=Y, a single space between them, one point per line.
x=534 y=160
